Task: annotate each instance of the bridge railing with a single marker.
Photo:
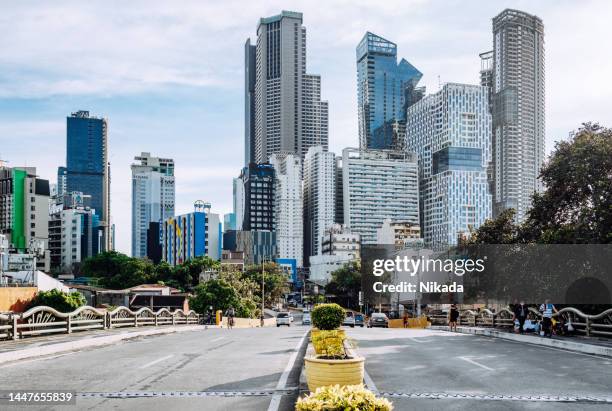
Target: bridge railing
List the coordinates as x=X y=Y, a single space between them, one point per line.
x=43 y=320
x=583 y=324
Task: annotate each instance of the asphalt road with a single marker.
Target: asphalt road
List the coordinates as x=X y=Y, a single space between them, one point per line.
x=215 y=369
x=417 y=363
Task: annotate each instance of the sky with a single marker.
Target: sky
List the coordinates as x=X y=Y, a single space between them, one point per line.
x=169 y=76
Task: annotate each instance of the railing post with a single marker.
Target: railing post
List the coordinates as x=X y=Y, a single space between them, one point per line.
x=588 y=327
x=136 y=320
x=104 y=322
x=155 y=319
x=173 y=319
x=69 y=325
x=493 y=321
x=14 y=330
x=109 y=320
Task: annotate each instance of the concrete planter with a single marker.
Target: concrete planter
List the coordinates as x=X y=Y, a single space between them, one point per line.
x=321 y=372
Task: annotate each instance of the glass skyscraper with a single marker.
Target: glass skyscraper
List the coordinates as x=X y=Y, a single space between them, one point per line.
x=451 y=133
x=384 y=90
x=87 y=166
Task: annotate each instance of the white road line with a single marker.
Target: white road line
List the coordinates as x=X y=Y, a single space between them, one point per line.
x=217 y=339
x=599 y=357
x=419 y=341
x=369 y=382
x=282 y=381
x=147 y=365
x=475 y=363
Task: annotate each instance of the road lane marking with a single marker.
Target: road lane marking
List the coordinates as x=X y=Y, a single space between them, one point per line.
x=369 y=382
x=475 y=363
x=282 y=381
x=217 y=339
x=147 y=365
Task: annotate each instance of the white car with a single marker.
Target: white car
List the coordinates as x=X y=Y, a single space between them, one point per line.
x=306 y=318
x=283 y=318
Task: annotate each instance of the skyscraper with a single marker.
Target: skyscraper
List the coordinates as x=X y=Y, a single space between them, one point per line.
x=88 y=170
x=518 y=105
x=283 y=108
x=153 y=196
x=319 y=197
x=288 y=216
x=384 y=90
x=453 y=158
x=379 y=185
x=258 y=194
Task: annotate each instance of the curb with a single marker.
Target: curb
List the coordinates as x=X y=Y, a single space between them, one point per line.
x=88 y=342
x=536 y=340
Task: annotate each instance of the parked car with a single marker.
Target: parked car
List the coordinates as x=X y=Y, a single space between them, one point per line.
x=306 y=317
x=283 y=319
x=349 y=319
x=359 y=319
x=378 y=320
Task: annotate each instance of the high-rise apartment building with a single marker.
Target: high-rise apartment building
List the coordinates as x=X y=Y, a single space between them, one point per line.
x=88 y=169
x=288 y=206
x=518 y=106
x=379 y=185
x=62 y=181
x=319 y=197
x=384 y=90
x=453 y=158
x=153 y=195
x=191 y=235
x=24 y=210
x=258 y=183
x=283 y=108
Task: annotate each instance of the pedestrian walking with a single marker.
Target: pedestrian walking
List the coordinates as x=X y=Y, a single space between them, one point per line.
x=405 y=319
x=547 y=309
x=521 y=311
x=453 y=316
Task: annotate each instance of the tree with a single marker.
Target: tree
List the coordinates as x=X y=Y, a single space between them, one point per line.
x=275 y=281
x=576 y=207
x=501 y=230
x=61 y=301
x=345 y=283
x=216 y=293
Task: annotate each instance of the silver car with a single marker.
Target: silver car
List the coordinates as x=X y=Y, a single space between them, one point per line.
x=283 y=319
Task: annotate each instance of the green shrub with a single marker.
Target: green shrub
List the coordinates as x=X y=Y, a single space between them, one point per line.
x=346 y=398
x=61 y=301
x=327 y=316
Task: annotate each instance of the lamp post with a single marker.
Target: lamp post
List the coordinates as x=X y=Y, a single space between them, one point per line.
x=263 y=273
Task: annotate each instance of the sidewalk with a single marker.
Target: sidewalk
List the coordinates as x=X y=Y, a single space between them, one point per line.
x=592 y=345
x=13 y=350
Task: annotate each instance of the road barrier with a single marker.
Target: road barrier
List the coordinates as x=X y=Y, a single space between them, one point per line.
x=585 y=324
x=46 y=320
x=249 y=322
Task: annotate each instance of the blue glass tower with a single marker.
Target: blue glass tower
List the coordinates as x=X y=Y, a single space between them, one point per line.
x=87 y=166
x=384 y=90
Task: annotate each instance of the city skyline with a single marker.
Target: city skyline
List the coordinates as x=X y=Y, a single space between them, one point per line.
x=194 y=116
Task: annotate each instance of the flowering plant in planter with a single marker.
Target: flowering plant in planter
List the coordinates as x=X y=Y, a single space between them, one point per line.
x=343 y=398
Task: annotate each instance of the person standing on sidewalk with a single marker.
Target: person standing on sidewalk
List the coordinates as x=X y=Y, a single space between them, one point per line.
x=520 y=314
x=453 y=316
x=547 y=310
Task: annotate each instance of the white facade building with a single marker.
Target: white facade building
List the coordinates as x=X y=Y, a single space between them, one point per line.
x=400 y=234
x=153 y=195
x=451 y=133
x=288 y=215
x=378 y=185
x=319 y=197
x=238 y=199
x=339 y=246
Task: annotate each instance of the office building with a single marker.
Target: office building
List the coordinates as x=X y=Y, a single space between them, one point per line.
x=454 y=155
x=257 y=246
x=518 y=109
x=283 y=108
x=258 y=183
x=319 y=197
x=238 y=201
x=87 y=166
x=62 y=182
x=288 y=207
x=191 y=235
x=401 y=234
x=339 y=246
x=229 y=222
x=378 y=185
x=154 y=242
x=24 y=211
x=384 y=91
x=153 y=193
x=339 y=203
